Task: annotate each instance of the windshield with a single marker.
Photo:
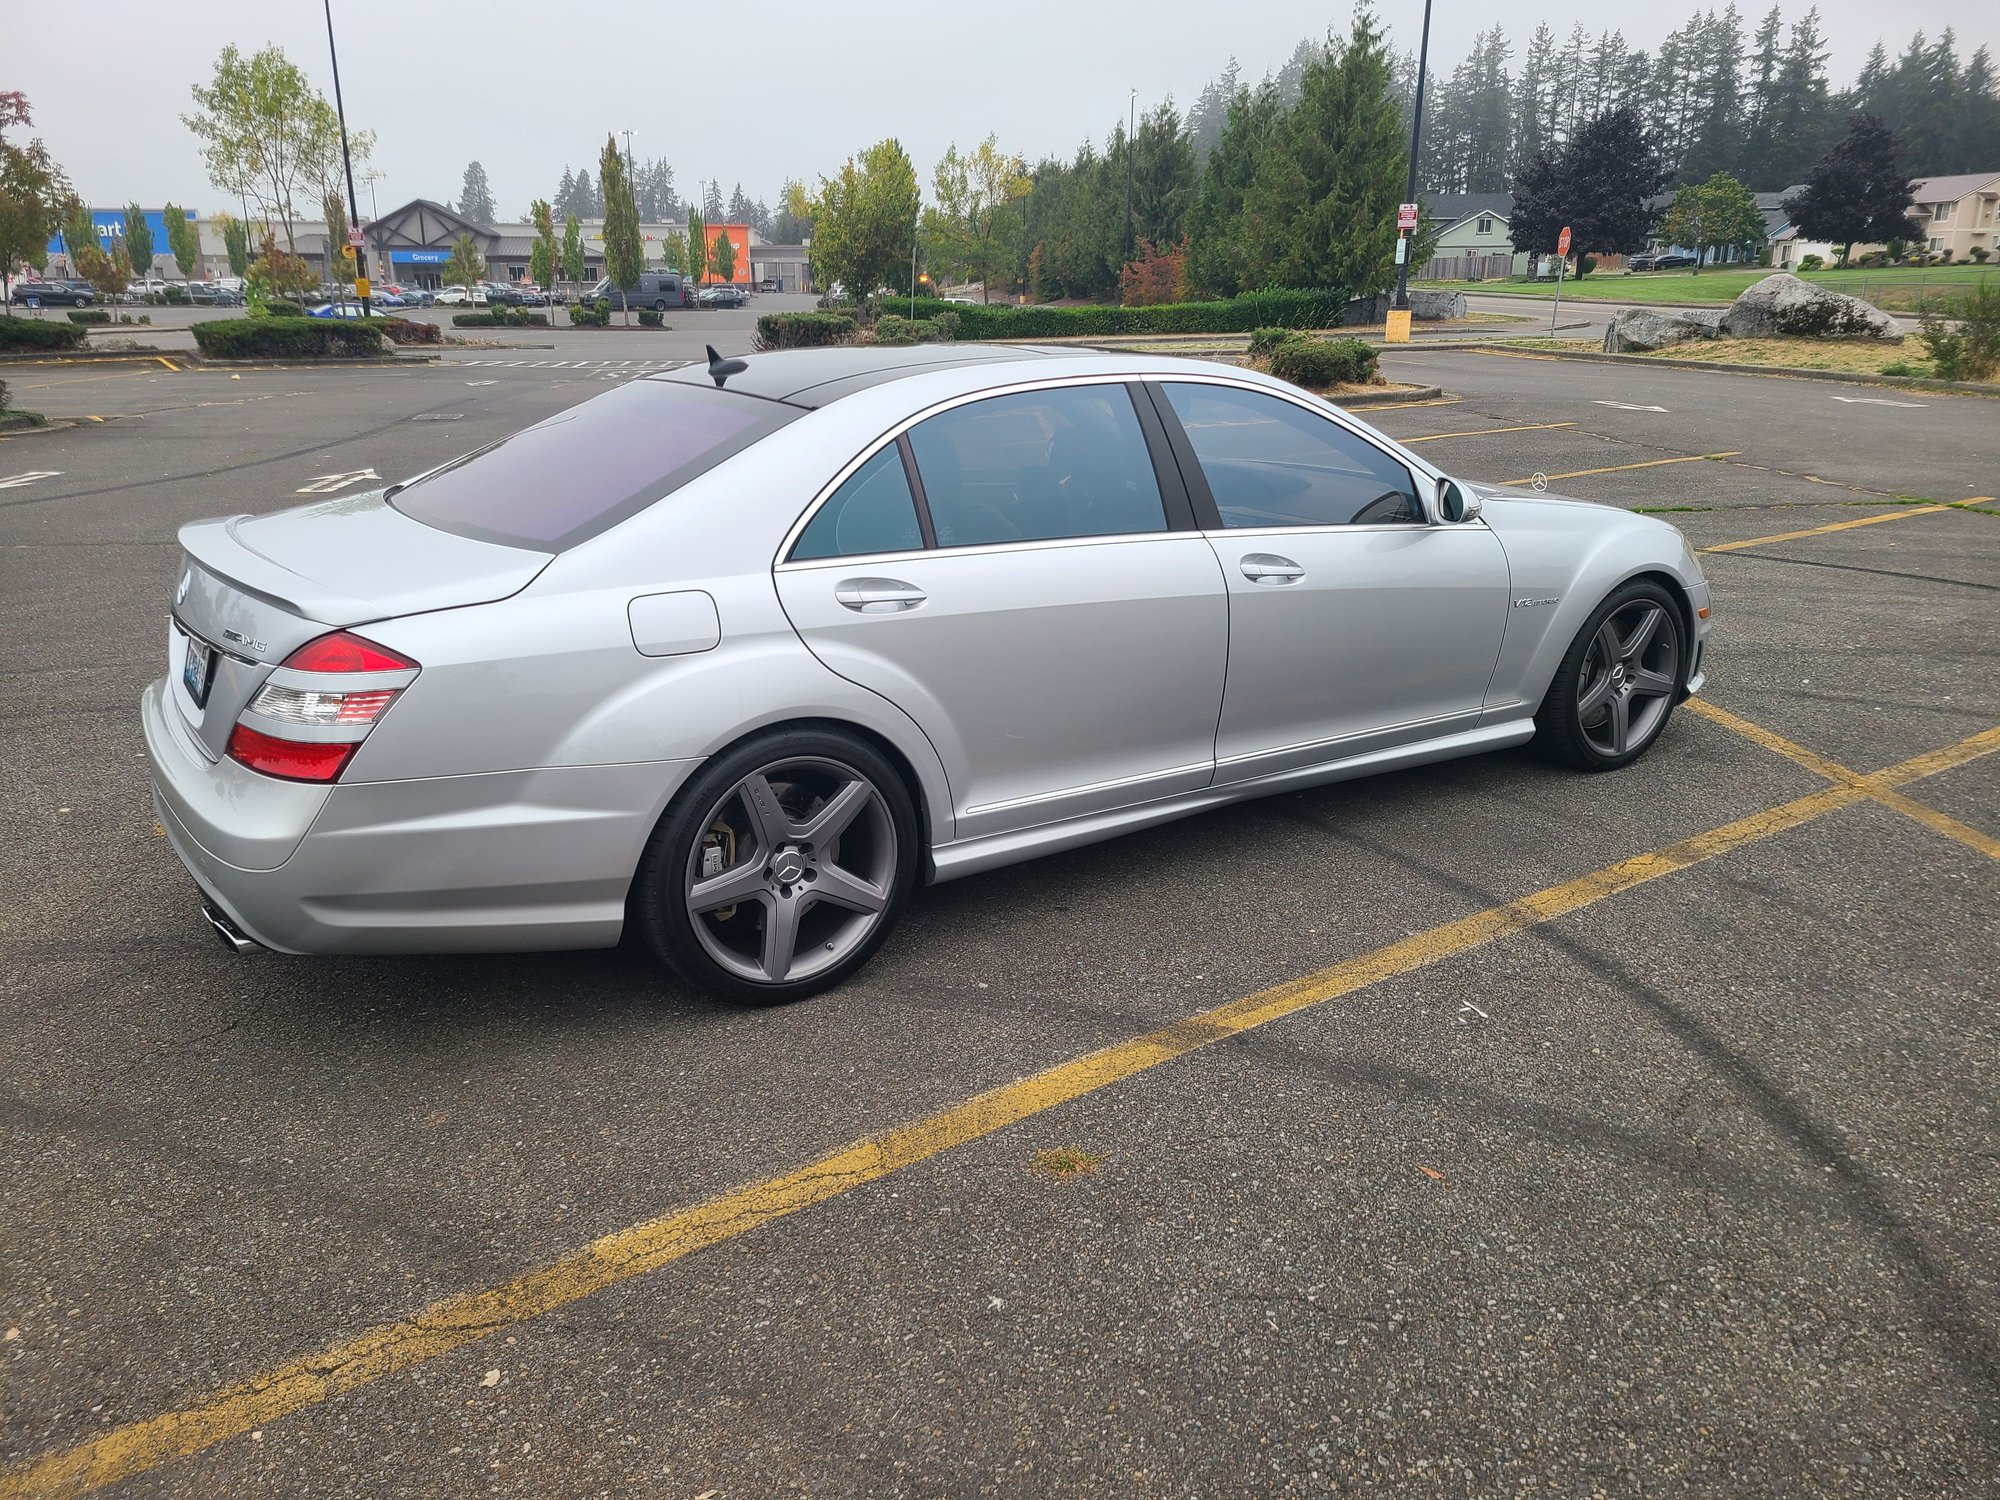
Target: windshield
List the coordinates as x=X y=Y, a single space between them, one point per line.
x=566 y=479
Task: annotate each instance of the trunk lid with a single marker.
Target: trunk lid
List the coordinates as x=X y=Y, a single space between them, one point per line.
x=253 y=589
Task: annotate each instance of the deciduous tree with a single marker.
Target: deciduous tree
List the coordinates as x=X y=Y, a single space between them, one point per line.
x=865 y=222
x=236 y=244
x=35 y=196
x=1714 y=215
x=543 y=258
x=138 y=240
x=694 y=248
x=466 y=267
x=573 y=262
x=1597 y=184
x=976 y=213
x=183 y=240
x=624 y=251
x=1857 y=192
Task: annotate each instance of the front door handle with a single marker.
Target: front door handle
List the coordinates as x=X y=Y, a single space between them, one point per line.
x=1268 y=567
x=878 y=596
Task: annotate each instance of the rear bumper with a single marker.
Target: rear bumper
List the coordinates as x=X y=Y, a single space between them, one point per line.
x=499 y=862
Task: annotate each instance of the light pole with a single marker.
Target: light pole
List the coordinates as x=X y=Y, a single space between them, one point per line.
x=1131 y=123
x=346 y=156
x=1408 y=238
x=628 y=154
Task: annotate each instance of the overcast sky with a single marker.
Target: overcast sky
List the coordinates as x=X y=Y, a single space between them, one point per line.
x=528 y=88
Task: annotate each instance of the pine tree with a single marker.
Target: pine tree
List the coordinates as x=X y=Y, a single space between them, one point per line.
x=1163 y=176
x=565 y=199
x=711 y=204
x=1858 y=192
x=1534 y=96
x=1214 y=261
x=1800 y=117
x=475 y=195
x=1211 y=110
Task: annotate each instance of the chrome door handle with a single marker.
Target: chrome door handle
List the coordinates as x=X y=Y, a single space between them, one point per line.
x=1267 y=567
x=878 y=596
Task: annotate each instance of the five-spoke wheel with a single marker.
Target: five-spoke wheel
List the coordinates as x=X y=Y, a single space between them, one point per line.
x=780 y=866
x=1618 y=681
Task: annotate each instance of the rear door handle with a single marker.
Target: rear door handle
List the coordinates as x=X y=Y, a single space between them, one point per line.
x=1268 y=567
x=878 y=596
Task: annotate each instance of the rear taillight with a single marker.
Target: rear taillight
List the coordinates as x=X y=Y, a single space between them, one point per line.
x=356 y=682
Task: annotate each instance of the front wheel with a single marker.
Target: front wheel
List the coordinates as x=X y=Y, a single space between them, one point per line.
x=1617 y=683
x=780 y=867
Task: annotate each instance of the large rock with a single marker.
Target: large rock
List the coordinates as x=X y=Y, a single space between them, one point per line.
x=1638 y=329
x=1784 y=306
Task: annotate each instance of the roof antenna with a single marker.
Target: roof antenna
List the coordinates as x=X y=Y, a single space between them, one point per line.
x=720 y=369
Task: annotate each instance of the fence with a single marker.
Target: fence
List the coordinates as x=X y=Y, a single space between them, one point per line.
x=1466 y=268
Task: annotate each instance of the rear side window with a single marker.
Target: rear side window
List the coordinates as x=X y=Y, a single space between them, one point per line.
x=873 y=511
x=1067 y=462
x=1270 y=462
x=583 y=471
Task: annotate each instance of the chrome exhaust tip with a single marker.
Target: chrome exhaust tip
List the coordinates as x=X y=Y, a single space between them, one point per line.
x=233 y=937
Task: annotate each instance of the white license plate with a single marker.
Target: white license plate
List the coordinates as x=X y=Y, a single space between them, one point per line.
x=198 y=670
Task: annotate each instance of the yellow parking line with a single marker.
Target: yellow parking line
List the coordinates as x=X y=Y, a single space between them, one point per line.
x=1438 y=437
x=1792 y=536
x=617 y=1257
x=168 y=363
x=1870 y=786
x=1651 y=463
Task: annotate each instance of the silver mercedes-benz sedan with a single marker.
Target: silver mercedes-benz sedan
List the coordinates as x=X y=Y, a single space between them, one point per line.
x=735 y=657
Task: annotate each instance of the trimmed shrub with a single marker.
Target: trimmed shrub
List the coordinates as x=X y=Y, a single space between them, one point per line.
x=276 y=307
x=89 y=315
x=18 y=334
x=1264 y=341
x=406 y=331
x=1314 y=363
x=1252 y=310
x=891 y=329
x=807 y=330
x=288 y=338
x=500 y=317
x=946 y=324
x=591 y=314
x=1812 y=262
x=652 y=317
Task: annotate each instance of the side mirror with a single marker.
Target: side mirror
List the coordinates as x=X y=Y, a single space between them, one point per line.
x=1456 y=503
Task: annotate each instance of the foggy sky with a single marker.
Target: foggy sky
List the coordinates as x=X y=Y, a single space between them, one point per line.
x=527 y=89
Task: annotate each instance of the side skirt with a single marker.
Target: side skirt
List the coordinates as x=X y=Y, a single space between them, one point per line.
x=975 y=856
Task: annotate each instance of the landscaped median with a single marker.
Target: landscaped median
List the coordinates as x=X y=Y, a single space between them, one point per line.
x=1868 y=360
x=38 y=336
x=309 y=338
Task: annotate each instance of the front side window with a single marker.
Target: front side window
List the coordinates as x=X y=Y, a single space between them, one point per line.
x=584 y=470
x=1271 y=462
x=872 y=511
x=1038 y=465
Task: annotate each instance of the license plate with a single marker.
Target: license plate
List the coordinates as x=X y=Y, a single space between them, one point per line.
x=197 y=668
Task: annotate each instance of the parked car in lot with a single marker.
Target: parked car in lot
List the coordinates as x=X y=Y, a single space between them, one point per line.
x=213 y=294
x=57 y=293
x=349 y=310
x=532 y=296
x=1659 y=260
x=722 y=294
x=457 y=296
x=736 y=656
x=659 y=290
x=502 y=294
x=413 y=296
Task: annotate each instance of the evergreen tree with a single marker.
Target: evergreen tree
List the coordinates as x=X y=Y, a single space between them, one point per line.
x=565 y=199
x=1321 y=211
x=1211 y=110
x=1535 y=96
x=1163 y=176
x=1799 y=108
x=712 y=205
x=475 y=195
x=1756 y=158
x=1597 y=184
x=1715 y=135
x=740 y=209
x=1858 y=192
x=586 y=201
x=1214 y=262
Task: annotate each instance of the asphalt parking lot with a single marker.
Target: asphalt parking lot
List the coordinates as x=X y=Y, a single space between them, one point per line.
x=1477 y=1130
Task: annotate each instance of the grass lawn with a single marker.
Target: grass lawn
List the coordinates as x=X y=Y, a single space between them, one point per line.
x=1896 y=290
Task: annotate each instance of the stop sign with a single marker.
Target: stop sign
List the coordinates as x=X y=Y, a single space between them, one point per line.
x=1562 y=242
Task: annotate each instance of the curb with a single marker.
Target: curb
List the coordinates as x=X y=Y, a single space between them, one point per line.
x=20 y=421
x=1787 y=372
x=65 y=356
x=1387 y=398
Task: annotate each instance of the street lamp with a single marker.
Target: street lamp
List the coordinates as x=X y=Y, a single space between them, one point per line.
x=346 y=156
x=1407 y=239
x=1131 y=123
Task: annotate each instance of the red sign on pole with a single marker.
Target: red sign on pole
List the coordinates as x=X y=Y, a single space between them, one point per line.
x=1406 y=216
x=1562 y=243
x=356 y=238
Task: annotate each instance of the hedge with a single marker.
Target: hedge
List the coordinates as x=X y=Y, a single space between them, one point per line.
x=1277 y=309
x=500 y=317
x=890 y=329
x=803 y=330
x=591 y=314
x=405 y=331
x=1321 y=362
x=32 y=333
x=89 y=315
x=287 y=338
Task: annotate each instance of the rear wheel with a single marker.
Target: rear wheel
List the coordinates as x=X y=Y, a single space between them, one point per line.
x=780 y=868
x=1617 y=683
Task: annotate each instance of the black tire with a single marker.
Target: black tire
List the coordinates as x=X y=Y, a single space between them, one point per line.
x=1568 y=728
x=659 y=905
x=660 y=305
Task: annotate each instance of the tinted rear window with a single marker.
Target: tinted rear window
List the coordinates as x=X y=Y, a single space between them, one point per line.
x=583 y=471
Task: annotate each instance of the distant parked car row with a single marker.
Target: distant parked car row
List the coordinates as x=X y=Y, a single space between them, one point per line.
x=59 y=293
